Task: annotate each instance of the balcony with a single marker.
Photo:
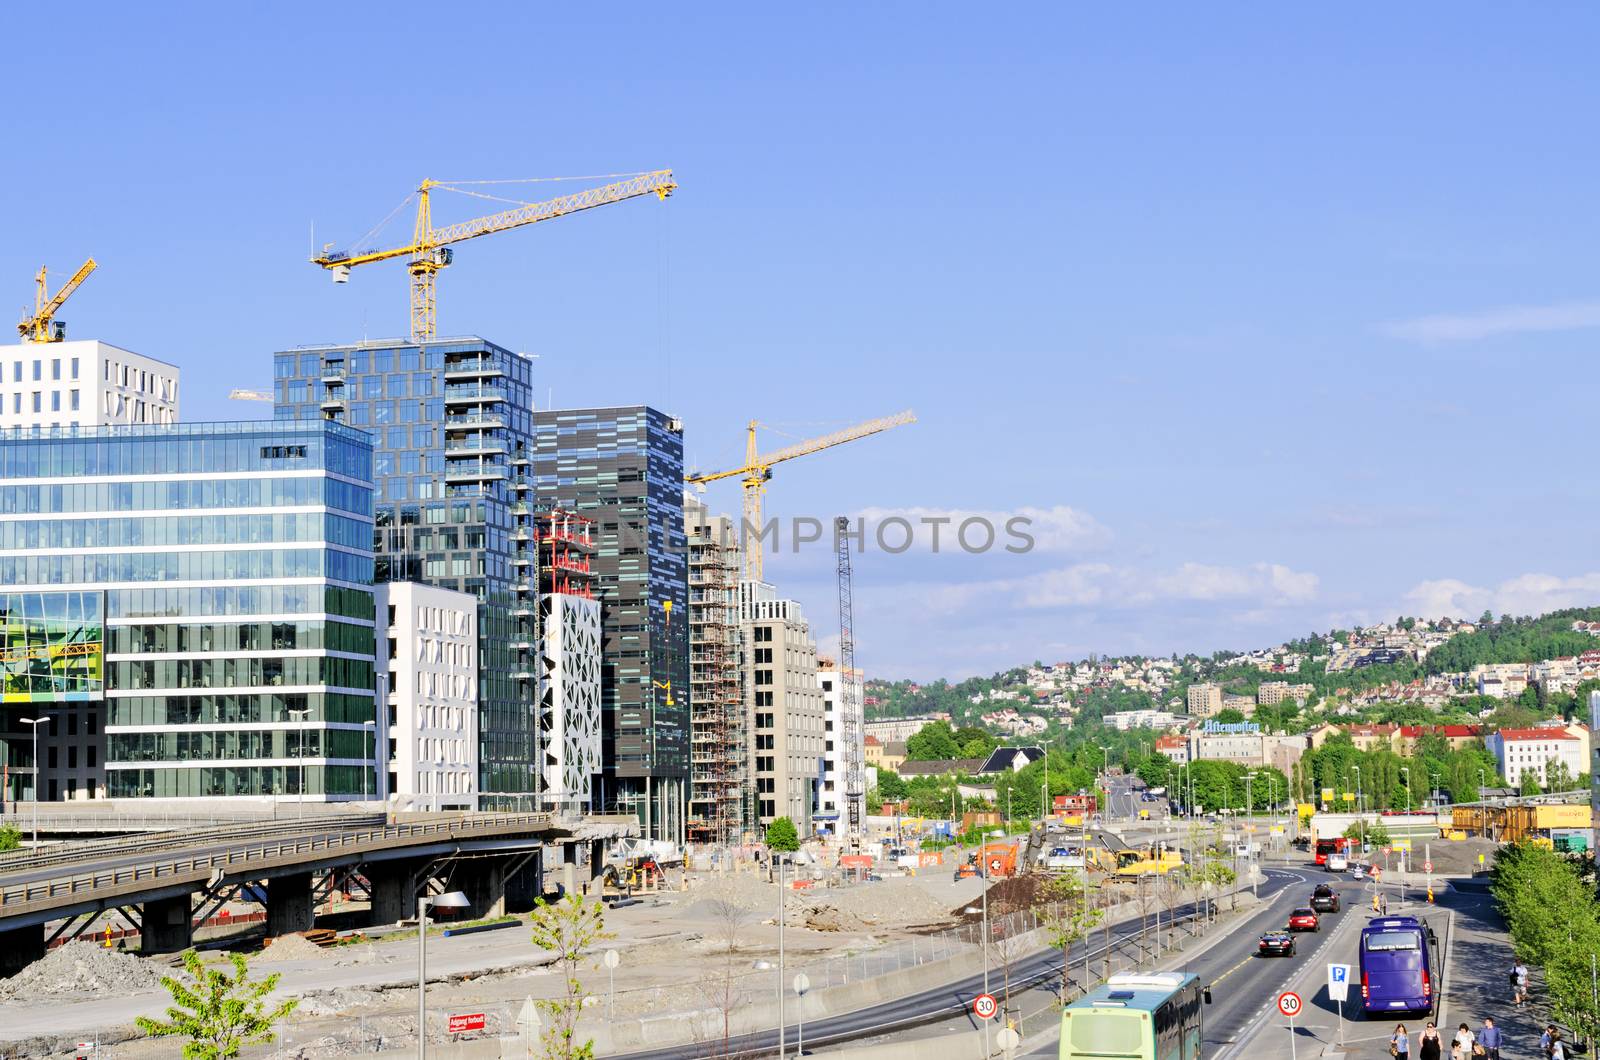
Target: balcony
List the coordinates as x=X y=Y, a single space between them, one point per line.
x=333 y=403
x=333 y=375
x=481 y=473
x=474 y=421
x=521 y=485
x=522 y=645
x=521 y=611
x=523 y=586
x=472 y=368
x=521 y=533
x=472 y=446
x=471 y=393
x=521 y=561
x=523 y=675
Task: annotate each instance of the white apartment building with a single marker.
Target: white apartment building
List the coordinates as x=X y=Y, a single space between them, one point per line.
x=832 y=806
x=1519 y=751
x=899 y=730
x=1204 y=699
x=786 y=713
x=83 y=384
x=1594 y=767
x=569 y=699
x=429 y=695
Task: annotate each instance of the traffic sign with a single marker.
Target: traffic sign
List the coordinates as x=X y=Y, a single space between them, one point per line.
x=1007 y=1039
x=1338 y=982
x=1427 y=866
x=984 y=1006
x=470 y=1021
x=1289 y=1003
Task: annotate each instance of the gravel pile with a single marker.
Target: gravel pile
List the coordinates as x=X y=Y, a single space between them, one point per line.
x=292 y=948
x=82 y=968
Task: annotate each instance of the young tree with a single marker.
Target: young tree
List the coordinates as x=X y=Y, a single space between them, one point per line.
x=566 y=928
x=10 y=837
x=1068 y=916
x=1530 y=783
x=219 y=1014
x=782 y=836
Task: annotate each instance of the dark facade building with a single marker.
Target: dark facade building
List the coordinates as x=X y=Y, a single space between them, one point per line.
x=452 y=424
x=622 y=468
x=186 y=611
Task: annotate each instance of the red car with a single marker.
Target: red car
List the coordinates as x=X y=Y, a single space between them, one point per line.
x=1304 y=919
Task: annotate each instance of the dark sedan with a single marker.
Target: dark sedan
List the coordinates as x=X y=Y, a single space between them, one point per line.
x=1276 y=944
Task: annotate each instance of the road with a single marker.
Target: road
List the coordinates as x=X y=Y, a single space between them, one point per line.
x=1041 y=971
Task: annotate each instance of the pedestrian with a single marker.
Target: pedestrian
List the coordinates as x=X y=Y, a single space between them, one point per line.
x=1461 y=1045
x=1546 y=1038
x=1489 y=1038
x=1400 y=1042
x=1522 y=981
x=1558 y=1048
x=1430 y=1046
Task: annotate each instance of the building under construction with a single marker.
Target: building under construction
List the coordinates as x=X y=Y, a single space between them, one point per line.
x=719 y=788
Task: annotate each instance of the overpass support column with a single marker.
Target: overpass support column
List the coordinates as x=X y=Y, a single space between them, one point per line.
x=394 y=890
x=525 y=886
x=20 y=947
x=483 y=880
x=569 y=867
x=167 y=926
x=290 y=907
x=597 y=857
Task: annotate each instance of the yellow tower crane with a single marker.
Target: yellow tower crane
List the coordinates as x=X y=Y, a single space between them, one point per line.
x=429 y=249
x=757 y=472
x=36 y=328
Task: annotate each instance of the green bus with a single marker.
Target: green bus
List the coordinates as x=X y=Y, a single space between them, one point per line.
x=1136 y=1017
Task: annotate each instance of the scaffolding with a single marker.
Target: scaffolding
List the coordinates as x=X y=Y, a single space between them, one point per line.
x=565 y=544
x=718 y=810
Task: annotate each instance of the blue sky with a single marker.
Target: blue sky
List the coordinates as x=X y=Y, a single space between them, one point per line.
x=1276 y=319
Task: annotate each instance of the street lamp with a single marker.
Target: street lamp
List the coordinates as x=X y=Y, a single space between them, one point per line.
x=1405 y=771
x=34 y=723
x=448 y=900
x=984 y=865
x=1361 y=822
x=300 y=802
x=372 y=755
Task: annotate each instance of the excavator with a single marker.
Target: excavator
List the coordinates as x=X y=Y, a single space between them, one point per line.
x=641 y=873
x=1153 y=860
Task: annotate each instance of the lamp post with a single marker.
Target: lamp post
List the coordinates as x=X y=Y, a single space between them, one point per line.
x=372 y=754
x=300 y=803
x=1361 y=821
x=34 y=723
x=1405 y=771
x=783 y=859
x=984 y=864
x=448 y=900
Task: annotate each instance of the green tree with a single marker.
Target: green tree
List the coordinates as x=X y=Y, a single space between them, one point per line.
x=10 y=837
x=934 y=742
x=1230 y=716
x=1068 y=915
x=217 y=1013
x=568 y=928
x=890 y=786
x=782 y=836
x=1558 y=777
x=1530 y=783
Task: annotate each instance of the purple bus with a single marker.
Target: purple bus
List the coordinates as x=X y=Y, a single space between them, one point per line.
x=1396 y=966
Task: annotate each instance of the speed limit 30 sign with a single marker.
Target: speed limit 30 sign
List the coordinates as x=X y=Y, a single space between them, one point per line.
x=1289 y=1003
x=984 y=1006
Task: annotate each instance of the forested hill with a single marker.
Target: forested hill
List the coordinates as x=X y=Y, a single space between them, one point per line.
x=1513 y=640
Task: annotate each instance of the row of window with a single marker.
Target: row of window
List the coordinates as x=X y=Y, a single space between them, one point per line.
x=38 y=369
x=134 y=531
x=187 y=566
x=162 y=497
x=217 y=781
x=158 y=454
x=231 y=708
x=199 y=745
x=240 y=636
x=241 y=673
x=241 y=600
x=39 y=400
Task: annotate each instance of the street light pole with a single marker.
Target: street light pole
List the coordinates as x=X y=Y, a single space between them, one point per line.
x=1405 y=771
x=38 y=774
x=300 y=802
x=448 y=900
x=372 y=755
x=783 y=860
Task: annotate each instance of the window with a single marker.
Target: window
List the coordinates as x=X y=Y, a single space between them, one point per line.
x=55 y=368
x=74 y=368
x=55 y=401
x=74 y=400
x=36 y=370
x=38 y=405
x=16 y=372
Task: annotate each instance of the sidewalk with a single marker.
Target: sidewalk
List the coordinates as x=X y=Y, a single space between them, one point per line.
x=1481 y=963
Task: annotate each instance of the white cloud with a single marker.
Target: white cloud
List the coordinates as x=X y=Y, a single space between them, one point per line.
x=1526 y=594
x=1511 y=320
x=1056 y=529
x=1085 y=585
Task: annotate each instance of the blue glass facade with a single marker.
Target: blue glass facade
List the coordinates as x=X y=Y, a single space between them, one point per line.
x=233 y=566
x=622 y=468
x=451 y=423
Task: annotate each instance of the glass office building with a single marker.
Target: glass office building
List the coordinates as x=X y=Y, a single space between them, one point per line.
x=622 y=468
x=189 y=609
x=451 y=424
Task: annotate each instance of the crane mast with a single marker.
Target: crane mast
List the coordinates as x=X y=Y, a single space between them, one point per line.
x=36 y=328
x=849 y=700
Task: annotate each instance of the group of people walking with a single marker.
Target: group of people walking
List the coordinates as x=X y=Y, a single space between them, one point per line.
x=1465 y=1045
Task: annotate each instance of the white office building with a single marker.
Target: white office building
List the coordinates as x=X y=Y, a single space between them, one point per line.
x=1519 y=751
x=832 y=806
x=430 y=712
x=569 y=699
x=83 y=384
